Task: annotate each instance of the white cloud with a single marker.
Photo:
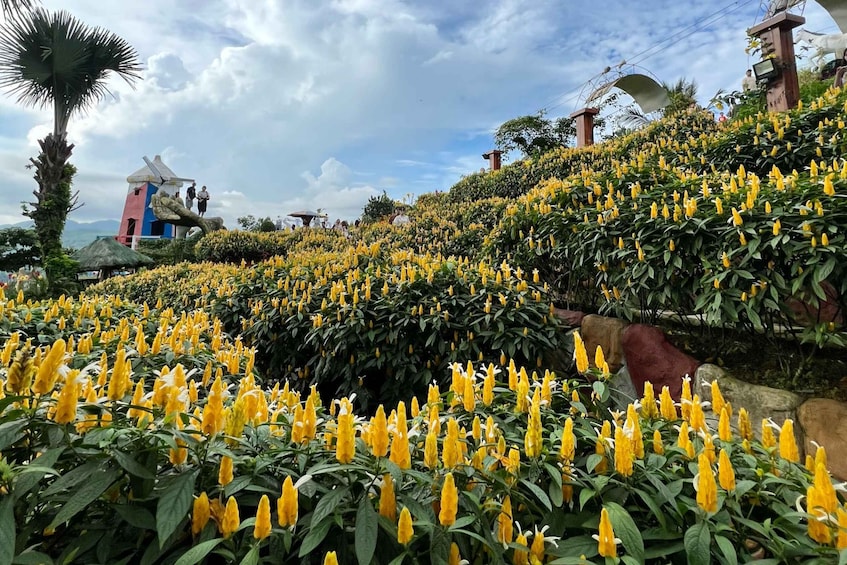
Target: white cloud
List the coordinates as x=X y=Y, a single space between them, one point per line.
x=279 y=105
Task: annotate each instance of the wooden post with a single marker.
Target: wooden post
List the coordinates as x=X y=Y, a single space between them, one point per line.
x=493 y=158
x=777 y=40
x=585 y=126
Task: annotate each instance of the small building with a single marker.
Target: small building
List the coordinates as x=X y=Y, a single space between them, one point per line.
x=138 y=220
x=106 y=255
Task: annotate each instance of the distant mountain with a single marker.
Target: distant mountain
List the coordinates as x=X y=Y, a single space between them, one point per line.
x=78 y=234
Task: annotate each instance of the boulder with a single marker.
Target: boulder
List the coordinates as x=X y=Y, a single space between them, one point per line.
x=824 y=422
x=651 y=357
x=605 y=332
x=572 y=318
x=623 y=391
x=759 y=401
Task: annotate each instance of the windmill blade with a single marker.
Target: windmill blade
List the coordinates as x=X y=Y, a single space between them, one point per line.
x=155 y=170
x=180 y=179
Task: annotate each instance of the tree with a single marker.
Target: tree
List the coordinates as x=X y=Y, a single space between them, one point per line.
x=54 y=60
x=682 y=95
x=11 y=8
x=534 y=134
x=18 y=249
x=378 y=208
x=251 y=223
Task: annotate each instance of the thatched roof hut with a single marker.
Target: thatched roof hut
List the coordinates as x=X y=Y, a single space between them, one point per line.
x=106 y=254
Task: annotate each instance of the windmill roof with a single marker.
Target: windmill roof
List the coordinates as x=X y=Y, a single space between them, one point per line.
x=144 y=174
x=108 y=253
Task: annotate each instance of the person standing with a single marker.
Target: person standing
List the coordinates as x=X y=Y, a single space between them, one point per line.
x=190 y=195
x=748 y=83
x=202 y=201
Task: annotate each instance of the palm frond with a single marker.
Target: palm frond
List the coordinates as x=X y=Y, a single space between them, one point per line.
x=13 y=8
x=55 y=59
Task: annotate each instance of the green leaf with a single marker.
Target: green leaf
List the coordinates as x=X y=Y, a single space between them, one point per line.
x=252 y=557
x=439 y=546
x=72 y=478
x=367 y=526
x=625 y=528
x=727 y=549
x=463 y=521
x=32 y=558
x=131 y=466
x=7 y=530
x=10 y=432
x=136 y=516
x=327 y=505
x=697 y=544
x=539 y=494
x=25 y=482
x=173 y=505
x=316 y=535
x=85 y=495
x=198 y=552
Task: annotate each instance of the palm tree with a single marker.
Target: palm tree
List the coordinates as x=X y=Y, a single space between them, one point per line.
x=15 y=7
x=54 y=60
x=683 y=95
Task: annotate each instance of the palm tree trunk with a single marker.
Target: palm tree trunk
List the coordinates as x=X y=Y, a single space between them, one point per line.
x=54 y=199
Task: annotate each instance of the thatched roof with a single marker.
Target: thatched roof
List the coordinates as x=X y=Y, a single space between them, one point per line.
x=107 y=253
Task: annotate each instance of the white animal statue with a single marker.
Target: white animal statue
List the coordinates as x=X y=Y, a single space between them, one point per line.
x=823 y=44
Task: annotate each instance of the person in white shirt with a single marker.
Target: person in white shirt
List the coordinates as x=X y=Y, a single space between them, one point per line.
x=748 y=83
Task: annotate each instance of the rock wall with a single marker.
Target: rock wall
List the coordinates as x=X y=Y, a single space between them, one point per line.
x=637 y=353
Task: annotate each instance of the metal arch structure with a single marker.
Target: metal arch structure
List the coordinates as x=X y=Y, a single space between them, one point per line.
x=647 y=92
x=837 y=10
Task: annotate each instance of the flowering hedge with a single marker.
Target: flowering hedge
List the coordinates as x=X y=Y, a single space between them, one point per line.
x=116 y=461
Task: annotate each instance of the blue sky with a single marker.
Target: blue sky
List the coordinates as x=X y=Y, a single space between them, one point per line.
x=280 y=105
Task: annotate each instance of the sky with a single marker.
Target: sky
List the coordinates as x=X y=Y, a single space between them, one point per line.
x=283 y=105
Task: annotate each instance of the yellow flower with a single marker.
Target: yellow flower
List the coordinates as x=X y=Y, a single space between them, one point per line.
x=455 y=557
x=452 y=449
x=533 y=440
x=225 y=471
x=488 y=386
x=600 y=447
x=48 y=370
x=387 y=500
x=841 y=541
x=536 y=550
x=405 y=531
x=400 y=454
x=580 y=354
x=231 y=520
x=505 y=523
x=431 y=450
x=658 y=447
x=330 y=558
x=379 y=433
x=67 y=401
x=684 y=440
x=262 y=527
x=777 y=227
x=607 y=543
x=623 y=453
x=787 y=443
x=286 y=506
x=200 y=514
x=521 y=556
x=726 y=474
x=568 y=449
x=736 y=218
x=724 y=429
x=449 y=501
x=725 y=260
x=345 y=447
x=685 y=397
x=707 y=497
x=768 y=438
x=648 y=402
x=745 y=429
x=666 y=405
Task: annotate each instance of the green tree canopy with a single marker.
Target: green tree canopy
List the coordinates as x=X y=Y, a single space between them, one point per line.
x=534 y=134
x=18 y=249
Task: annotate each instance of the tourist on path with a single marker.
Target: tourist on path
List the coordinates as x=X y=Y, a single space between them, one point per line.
x=190 y=195
x=202 y=201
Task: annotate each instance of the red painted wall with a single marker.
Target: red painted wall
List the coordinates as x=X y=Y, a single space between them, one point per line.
x=133 y=209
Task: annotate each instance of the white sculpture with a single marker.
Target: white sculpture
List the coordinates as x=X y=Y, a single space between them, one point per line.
x=823 y=44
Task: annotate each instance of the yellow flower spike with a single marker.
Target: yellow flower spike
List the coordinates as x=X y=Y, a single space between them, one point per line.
x=824 y=239
x=505 y=522
x=262 y=527
x=231 y=519
x=684 y=440
x=287 y=504
x=449 y=501
x=787 y=442
x=745 y=429
x=736 y=218
x=568 y=448
x=724 y=429
x=600 y=447
x=658 y=446
x=330 y=558
x=726 y=474
x=400 y=454
x=623 y=453
x=725 y=261
x=431 y=450
x=452 y=449
x=667 y=406
x=225 y=471
x=468 y=396
x=841 y=540
x=488 y=386
x=697 y=417
x=200 y=514
x=455 y=558
x=649 y=409
x=67 y=402
x=685 y=397
x=405 y=531
x=536 y=550
x=580 y=354
x=521 y=556
x=707 y=497
x=345 y=447
x=387 y=498
x=607 y=543
x=48 y=370
x=768 y=438
x=379 y=433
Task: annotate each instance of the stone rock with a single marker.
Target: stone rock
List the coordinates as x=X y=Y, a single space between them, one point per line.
x=623 y=391
x=572 y=318
x=759 y=401
x=605 y=332
x=824 y=422
x=651 y=357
